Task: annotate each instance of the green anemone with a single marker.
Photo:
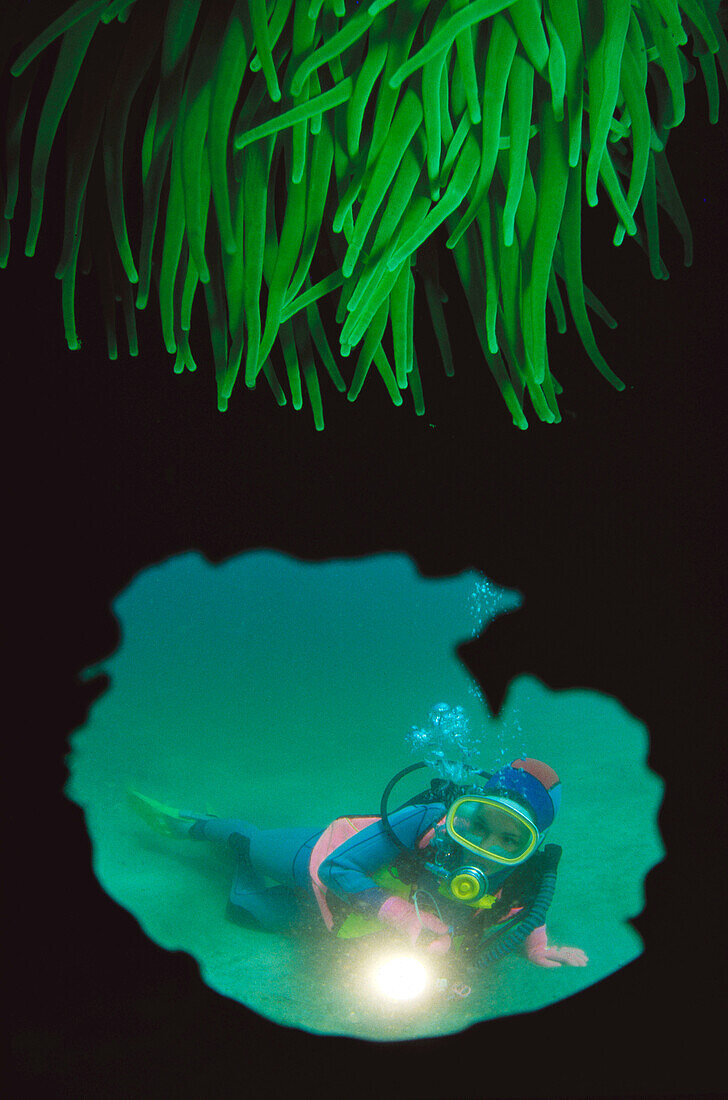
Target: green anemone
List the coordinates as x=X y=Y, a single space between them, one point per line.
x=300 y=164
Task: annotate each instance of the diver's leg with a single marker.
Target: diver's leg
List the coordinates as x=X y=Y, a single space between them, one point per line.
x=230 y=832
x=186 y=825
x=262 y=854
x=284 y=854
x=253 y=898
x=281 y=854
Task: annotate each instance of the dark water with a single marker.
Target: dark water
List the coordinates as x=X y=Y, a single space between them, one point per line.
x=282 y=692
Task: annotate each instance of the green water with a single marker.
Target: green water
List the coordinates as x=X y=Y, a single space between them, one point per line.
x=282 y=692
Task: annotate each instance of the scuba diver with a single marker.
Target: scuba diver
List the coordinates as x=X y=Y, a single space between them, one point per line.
x=458 y=869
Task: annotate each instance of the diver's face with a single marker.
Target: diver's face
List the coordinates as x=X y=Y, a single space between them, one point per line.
x=496 y=831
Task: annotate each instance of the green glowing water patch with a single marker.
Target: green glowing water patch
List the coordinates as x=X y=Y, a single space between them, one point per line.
x=282 y=692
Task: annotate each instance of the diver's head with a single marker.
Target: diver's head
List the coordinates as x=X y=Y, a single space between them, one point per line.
x=501 y=824
x=533 y=785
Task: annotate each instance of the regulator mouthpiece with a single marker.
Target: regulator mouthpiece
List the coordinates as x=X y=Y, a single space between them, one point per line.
x=468 y=884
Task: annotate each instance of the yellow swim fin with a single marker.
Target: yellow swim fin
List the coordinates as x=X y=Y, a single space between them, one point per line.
x=163 y=819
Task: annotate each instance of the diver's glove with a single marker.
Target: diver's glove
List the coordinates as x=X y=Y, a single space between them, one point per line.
x=539 y=952
x=401 y=914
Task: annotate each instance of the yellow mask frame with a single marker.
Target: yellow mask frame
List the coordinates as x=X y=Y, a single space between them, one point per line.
x=502 y=805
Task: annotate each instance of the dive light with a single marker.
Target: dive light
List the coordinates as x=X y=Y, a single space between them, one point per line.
x=401 y=978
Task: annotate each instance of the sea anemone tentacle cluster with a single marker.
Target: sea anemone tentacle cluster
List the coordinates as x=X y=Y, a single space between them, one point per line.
x=301 y=164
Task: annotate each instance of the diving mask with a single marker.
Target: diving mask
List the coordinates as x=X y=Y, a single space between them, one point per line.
x=494 y=829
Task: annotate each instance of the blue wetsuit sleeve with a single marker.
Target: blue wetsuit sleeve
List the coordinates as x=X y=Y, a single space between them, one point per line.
x=348 y=870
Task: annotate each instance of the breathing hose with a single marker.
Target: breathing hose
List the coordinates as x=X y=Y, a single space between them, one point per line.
x=385 y=800
x=535 y=916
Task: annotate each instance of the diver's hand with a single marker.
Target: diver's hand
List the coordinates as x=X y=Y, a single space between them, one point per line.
x=401 y=914
x=539 y=952
x=570 y=956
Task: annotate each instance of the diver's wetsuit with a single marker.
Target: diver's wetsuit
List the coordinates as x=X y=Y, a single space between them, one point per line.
x=346 y=873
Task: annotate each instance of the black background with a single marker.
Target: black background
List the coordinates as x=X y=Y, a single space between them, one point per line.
x=610 y=525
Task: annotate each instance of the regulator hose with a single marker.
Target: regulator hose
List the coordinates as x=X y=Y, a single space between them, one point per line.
x=535 y=916
x=440 y=790
x=383 y=807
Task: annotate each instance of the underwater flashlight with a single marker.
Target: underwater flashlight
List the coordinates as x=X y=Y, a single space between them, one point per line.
x=401 y=978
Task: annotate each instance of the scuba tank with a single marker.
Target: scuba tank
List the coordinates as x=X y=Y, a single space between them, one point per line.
x=446 y=791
